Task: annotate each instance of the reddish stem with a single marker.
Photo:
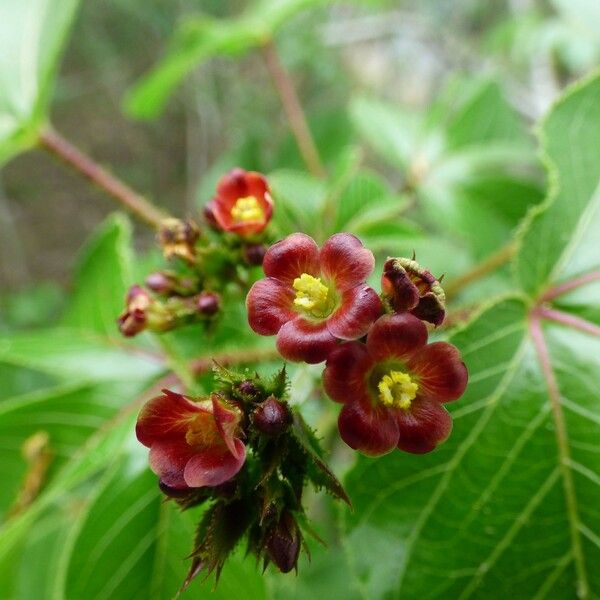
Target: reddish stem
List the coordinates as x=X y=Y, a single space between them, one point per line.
x=563 y=288
x=57 y=145
x=560 y=427
x=569 y=320
x=293 y=110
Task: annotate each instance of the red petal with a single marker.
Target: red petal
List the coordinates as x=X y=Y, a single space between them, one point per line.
x=214 y=466
x=396 y=336
x=441 y=372
x=302 y=340
x=423 y=426
x=346 y=261
x=227 y=419
x=168 y=461
x=269 y=305
x=360 y=306
x=345 y=373
x=372 y=431
x=165 y=417
x=296 y=254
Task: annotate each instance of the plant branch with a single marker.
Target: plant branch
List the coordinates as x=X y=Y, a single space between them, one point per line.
x=293 y=110
x=61 y=148
x=569 y=320
x=563 y=288
x=490 y=264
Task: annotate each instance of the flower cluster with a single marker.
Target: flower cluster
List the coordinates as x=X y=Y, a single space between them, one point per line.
x=205 y=260
x=392 y=384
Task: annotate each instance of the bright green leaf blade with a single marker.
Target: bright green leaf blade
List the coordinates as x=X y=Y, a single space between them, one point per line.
x=33 y=34
x=561 y=239
x=101 y=280
x=487 y=513
x=71 y=355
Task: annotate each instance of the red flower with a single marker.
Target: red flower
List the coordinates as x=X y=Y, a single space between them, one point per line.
x=392 y=387
x=243 y=203
x=192 y=444
x=311 y=298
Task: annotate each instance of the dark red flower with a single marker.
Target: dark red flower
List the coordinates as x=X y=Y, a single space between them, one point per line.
x=192 y=444
x=312 y=298
x=243 y=203
x=393 y=387
x=408 y=287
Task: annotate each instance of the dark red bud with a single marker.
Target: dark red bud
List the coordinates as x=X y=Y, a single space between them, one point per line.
x=160 y=283
x=283 y=544
x=248 y=388
x=209 y=216
x=253 y=254
x=208 y=303
x=135 y=317
x=272 y=417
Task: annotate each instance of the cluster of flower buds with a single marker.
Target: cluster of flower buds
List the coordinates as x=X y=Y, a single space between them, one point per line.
x=379 y=365
x=245 y=451
x=205 y=260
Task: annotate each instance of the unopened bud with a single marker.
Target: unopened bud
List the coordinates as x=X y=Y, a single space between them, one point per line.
x=178 y=238
x=283 y=543
x=209 y=216
x=208 y=303
x=253 y=254
x=160 y=282
x=134 y=318
x=272 y=417
x=408 y=287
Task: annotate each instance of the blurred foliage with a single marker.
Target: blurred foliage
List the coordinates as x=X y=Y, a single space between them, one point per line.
x=423 y=113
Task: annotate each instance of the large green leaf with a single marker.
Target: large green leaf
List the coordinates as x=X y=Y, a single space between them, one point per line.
x=508 y=504
x=33 y=34
x=102 y=277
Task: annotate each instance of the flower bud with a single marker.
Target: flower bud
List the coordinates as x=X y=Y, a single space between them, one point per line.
x=283 y=543
x=408 y=287
x=178 y=238
x=135 y=317
x=272 y=417
x=208 y=303
x=160 y=282
x=253 y=254
x=209 y=216
x=248 y=388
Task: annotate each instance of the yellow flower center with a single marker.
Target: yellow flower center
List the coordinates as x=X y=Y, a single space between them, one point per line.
x=397 y=389
x=247 y=209
x=312 y=296
x=202 y=431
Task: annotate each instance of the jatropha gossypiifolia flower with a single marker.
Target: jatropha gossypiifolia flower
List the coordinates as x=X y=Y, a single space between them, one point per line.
x=206 y=261
x=249 y=455
x=393 y=387
x=311 y=298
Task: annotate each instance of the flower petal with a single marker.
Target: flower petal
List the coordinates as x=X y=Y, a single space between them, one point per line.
x=442 y=373
x=370 y=430
x=227 y=418
x=396 y=336
x=296 y=254
x=165 y=417
x=214 y=466
x=423 y=426
x=360 y=306
x=168 y=461
x=302 y=340
x=269 y=305
x=345 y=373
x=346 y=261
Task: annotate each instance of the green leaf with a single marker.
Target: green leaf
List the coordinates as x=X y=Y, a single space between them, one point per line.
x=508 y=502
x=560 y=241
x=102 y=277
x=71 y=355
x=201 y=38
x=33 y=34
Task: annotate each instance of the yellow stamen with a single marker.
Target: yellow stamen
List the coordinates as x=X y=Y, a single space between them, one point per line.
x=247 y=209
x=312 y=296
x=397 y=389
x=202 y=431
